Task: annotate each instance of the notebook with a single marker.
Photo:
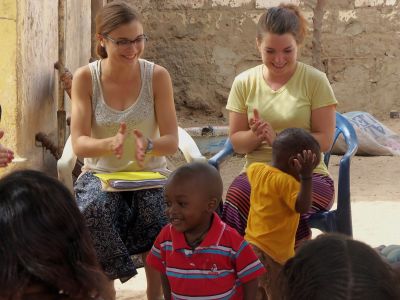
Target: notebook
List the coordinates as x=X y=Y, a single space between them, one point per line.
x=131 y=181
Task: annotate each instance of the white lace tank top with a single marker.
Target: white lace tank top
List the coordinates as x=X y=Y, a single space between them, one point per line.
x=140 y=115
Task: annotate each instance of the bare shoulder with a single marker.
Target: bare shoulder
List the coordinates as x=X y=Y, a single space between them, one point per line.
x=160 y=73
x=83 y=74
x=82 y=81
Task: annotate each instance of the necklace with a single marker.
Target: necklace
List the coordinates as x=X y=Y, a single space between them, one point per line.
x=197 y=241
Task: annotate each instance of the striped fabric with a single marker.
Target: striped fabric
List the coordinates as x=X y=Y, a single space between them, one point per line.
x=216 y=269
x=237 y=203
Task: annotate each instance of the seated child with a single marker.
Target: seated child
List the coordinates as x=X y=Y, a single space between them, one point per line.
x=335 y=267
x=279 y=193
x=198 y=255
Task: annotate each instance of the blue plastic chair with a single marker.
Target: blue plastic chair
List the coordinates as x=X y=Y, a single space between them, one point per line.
x=338 y=220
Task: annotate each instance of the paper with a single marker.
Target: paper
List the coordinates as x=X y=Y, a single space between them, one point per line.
x=119 y=181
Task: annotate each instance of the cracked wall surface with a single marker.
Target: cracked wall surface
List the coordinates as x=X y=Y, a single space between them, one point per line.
x=204 y=44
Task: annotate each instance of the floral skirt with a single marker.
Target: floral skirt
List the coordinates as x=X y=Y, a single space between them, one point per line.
x=121 y=224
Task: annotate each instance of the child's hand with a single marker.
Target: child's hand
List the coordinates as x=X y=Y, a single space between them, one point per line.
x=305 y=163
x=6 y=155
x=117 y=143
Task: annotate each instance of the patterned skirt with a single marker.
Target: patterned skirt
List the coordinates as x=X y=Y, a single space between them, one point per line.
x=121 y=224
x=237 y=204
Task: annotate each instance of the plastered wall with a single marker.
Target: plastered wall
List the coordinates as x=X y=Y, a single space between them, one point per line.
x=205 y=43
x=28 y=85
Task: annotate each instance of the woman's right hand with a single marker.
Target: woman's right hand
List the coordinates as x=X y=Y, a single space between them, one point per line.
x=117 y=143
x=262 y=129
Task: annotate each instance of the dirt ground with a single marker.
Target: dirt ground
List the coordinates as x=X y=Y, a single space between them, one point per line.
x=373 y=178
x=375 y=197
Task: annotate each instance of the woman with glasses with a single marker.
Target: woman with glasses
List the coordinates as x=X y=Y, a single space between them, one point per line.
x=123 y=119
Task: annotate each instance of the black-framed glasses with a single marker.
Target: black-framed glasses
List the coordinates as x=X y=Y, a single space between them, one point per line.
x=125 y=43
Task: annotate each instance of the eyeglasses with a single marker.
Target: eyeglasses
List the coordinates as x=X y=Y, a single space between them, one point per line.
x=125 y=43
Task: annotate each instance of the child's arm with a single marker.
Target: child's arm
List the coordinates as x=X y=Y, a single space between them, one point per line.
x=305 y=164
x=165 y=286
x=250 y=289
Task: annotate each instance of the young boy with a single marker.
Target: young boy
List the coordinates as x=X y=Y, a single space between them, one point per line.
x=198 y=255
x=279 y=193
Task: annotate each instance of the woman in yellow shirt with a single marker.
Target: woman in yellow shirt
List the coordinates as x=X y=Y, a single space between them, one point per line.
x=277 y=94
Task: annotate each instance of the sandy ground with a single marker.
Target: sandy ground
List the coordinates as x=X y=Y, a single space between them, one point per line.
x=375 y=196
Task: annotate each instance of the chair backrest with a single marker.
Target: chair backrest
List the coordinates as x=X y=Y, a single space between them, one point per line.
x=342 y=216
x=343 y=211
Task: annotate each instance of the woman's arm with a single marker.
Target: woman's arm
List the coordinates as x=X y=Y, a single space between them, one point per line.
x=242 y=137
x=165 y=113
x=81 y=114
x=323 y=122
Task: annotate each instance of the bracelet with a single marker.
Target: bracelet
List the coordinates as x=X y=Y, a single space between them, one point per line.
x=305 y=178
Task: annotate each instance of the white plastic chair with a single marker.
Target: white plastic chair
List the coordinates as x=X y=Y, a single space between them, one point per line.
x=66 y=163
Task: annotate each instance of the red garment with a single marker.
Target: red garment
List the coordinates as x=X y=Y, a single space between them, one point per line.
x=217 y=268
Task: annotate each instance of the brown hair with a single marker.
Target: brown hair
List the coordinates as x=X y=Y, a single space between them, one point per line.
x=335 y=267
x=285 y=18
x=111 y=16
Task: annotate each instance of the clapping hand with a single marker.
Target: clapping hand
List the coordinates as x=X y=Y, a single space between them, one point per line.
x=6 y=155
x=305 y=163
x=141 y=144
x=262 y=129
x=117 y=145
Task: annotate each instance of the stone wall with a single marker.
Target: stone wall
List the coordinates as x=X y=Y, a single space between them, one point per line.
x=205 y=43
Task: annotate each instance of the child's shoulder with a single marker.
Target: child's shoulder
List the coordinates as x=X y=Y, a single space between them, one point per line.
x=233 y=237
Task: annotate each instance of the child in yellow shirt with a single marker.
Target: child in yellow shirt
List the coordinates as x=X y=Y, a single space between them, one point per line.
x=279 y=193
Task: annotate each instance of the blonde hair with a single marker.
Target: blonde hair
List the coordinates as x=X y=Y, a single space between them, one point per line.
x=285 y=18
x=110 y=17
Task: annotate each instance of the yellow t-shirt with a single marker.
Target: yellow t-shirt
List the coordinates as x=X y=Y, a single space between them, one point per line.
x=272 y=220
x=290 y=106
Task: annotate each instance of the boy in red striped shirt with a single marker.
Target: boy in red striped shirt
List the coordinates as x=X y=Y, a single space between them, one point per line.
x=198 y=255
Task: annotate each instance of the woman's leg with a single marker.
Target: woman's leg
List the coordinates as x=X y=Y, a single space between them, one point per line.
x=100 y=210
x=237 y=204
x=323 y=196
x=147 y=220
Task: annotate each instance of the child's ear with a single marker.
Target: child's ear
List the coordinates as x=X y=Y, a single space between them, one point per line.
x=291 y=162
x=212 y=204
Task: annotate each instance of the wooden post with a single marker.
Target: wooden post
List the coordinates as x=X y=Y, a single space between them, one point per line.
x=61 y=114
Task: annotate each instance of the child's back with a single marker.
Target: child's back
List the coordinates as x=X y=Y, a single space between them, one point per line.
x=279 y=193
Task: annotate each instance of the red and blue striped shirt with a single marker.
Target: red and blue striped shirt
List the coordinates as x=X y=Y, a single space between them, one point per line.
x=216 y=269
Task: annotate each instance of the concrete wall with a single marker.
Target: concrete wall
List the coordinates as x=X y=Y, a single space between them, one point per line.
x=8 y=71
x=204 y=44
x=28 y=85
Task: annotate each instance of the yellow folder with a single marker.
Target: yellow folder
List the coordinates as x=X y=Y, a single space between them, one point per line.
x=131 y=181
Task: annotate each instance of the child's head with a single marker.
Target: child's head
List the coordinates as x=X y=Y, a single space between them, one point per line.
x=192 y=193
x=336 y=267
x=44 y=238
x=288 y=144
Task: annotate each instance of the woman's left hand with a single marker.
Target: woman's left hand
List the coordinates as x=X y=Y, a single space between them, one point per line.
x=141 y=144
